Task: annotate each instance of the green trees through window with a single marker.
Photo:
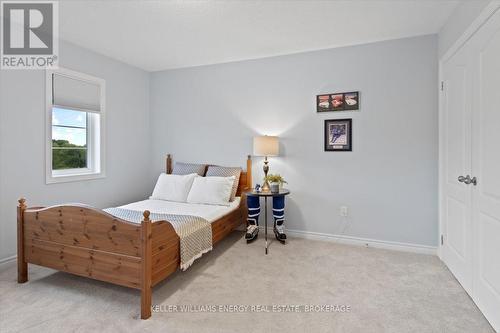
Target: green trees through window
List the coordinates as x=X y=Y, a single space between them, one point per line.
x=68 y=156
x=69 y=139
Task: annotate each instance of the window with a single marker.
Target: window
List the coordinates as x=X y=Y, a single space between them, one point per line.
x=75 y=116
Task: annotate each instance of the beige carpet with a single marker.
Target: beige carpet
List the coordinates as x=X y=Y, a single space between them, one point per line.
x=386 y=291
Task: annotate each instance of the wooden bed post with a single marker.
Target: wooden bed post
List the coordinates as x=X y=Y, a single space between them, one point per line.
x=169 y=164
x=249 y=172
x=146 y=266
x=22 y=265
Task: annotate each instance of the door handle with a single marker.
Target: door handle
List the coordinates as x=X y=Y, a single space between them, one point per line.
x=467 y=180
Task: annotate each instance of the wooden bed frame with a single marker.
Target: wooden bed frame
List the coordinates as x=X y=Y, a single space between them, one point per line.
x=89 y=242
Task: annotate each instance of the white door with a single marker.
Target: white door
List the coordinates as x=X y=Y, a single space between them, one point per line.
x=486 y=167
x=456 y=196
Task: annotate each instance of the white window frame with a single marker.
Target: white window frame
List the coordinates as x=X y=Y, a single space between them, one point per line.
x=96 y=138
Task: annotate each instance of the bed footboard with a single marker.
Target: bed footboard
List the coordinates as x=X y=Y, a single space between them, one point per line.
x=92 y=243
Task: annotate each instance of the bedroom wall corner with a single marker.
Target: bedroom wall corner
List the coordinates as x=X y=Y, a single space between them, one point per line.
x=22 y=140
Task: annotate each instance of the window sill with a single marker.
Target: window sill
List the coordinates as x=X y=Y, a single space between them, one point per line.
x=51 y=179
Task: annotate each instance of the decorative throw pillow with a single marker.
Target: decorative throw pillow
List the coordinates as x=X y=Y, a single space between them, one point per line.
x=211 y=190
x=188 y=168
x=220 y=171
x=173 y=187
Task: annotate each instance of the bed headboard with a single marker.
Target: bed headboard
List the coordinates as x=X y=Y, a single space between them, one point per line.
x=245 y=177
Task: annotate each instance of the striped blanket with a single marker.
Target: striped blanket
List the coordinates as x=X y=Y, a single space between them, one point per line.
x=195 y=233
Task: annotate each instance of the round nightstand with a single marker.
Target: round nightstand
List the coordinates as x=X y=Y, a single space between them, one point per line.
x=281 y=193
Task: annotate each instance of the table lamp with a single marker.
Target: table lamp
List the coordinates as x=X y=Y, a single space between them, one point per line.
x=265 y=146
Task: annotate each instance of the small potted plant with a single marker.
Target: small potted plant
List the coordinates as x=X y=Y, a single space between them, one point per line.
x=275 y=182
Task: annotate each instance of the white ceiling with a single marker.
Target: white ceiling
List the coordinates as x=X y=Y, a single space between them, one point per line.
x=158 y=35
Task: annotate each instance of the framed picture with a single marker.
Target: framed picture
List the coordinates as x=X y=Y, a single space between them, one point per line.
x=323 y=103
x=338 y=135
x=351 y=101
x=337 y=102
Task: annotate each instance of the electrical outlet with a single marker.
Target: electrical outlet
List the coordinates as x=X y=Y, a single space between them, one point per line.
x=344 y=211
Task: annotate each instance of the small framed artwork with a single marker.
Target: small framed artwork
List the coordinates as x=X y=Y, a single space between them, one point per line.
x=323 y=103
x=351 y=101
x=338 y=135
x=337 y=102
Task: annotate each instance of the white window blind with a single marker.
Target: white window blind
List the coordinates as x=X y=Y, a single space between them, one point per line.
x=73 y=93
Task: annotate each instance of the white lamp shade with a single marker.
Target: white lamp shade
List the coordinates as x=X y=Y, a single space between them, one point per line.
x=266 y=146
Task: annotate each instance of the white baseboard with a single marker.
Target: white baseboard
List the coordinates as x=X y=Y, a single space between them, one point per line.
x=7 y=260
x=366 y=242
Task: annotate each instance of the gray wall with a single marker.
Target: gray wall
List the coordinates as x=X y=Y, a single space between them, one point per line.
x=22 y=140
x=389 y=181
x=211 y=113
x=458 y=22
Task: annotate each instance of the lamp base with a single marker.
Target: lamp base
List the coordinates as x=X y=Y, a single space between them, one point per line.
x=265 y=186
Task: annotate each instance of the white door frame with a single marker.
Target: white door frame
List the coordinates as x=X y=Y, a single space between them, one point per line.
x=487 y=12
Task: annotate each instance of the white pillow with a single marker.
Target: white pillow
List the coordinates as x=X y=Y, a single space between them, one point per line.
x=211 y=190
x=173 y=187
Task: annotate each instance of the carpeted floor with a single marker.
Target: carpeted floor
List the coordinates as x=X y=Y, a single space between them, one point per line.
x=386 y=291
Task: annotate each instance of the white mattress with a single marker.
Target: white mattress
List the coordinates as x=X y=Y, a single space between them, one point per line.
x=208 y=212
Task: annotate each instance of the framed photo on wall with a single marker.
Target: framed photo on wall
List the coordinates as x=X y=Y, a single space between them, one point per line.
x=337 y=102
x=338 y=135
x=351 y=100
x=322 y=103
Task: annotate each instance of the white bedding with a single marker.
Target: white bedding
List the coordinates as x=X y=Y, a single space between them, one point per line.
x=208 y=212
